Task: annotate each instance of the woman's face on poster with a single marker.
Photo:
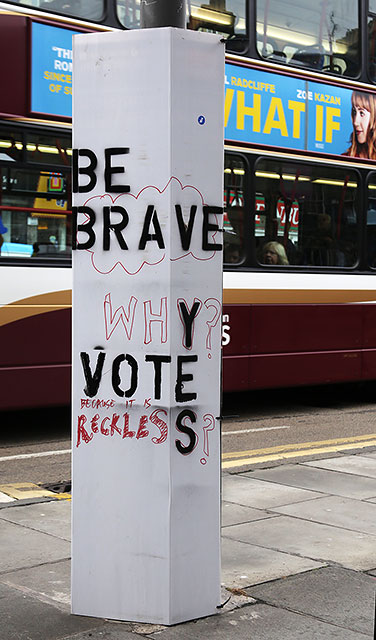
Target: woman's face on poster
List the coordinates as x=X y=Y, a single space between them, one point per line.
x=360 y=118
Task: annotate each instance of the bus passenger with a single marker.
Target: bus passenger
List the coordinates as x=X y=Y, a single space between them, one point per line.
x=35 y=249
x=274 y=253
x=231 y=253
x=3 y=229
x=363 y=115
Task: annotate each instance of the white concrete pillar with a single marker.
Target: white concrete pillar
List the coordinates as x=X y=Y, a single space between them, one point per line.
x=148 y=182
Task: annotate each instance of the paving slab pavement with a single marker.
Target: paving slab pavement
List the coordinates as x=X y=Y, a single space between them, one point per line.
x=238 y=514
x=251 y=492
x=53 y=518
x=346 y=513
x=357 y=465
x=22 y=546
x=261 y=622
x=248 y=564
x=320 y=480
x=298 y=561
x=320 y=542
x=338 y=596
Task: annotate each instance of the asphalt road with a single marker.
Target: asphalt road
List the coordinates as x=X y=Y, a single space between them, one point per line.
x=281 y=416
x=257 y=423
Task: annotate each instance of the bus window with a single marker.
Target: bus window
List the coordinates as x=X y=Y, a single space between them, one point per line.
x=128 y=12
x=305 y=215
x=29 y=234
x=323 y=36
x=226 y=17
x=48 y=149
x=34 y=216
x=219 y=16
x=86 y=9
x=371 y=222
x=11 y=145
x=233 y=221
x=372 y=39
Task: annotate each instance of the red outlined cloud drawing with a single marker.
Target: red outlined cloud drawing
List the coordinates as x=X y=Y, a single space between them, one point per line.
x=133 y=259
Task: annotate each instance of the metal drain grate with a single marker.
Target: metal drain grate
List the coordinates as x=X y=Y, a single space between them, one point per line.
x=58 y=487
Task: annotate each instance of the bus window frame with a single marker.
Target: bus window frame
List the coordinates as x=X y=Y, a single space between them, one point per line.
x=38 y=261
x=362 y=75
x=368 y=14
x=228 y=266
x=360 y=264
x=24 y=129
x=368 y=267
x=109 y=17
x=36 y=167
x=246 y=39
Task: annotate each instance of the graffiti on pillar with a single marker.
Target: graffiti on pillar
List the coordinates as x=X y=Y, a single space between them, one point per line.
x=128 y=233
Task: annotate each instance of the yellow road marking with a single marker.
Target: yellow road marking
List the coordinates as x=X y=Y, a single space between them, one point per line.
x=299 y=445
x=22 y=490
x=281 y=452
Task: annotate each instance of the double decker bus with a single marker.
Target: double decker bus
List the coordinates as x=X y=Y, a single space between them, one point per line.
x=299 y=189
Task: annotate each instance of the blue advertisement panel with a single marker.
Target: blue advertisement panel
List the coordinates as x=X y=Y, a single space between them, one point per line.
x=51 y=70
x=329 y=117
x=264 y=108
x=281 y=111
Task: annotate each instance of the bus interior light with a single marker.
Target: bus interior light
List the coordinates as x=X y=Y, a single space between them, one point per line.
x=42 y=149
x=305 y=40
x=293 y=177
x=285 y=176
x=335 y=183
x=237 y=172
x=5 y=144
x=207 y=14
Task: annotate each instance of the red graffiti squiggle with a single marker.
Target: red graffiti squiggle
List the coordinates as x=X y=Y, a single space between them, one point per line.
x=151 y=186
x=216 y=305
x=120 y=264
x=209 y=426
x=162 y=426
x=160 y=317
x=113 y=318
x=142 y=431
x=126 y=432
x=102 y=270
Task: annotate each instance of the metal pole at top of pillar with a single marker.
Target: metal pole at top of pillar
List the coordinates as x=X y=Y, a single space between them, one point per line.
x=163 y=13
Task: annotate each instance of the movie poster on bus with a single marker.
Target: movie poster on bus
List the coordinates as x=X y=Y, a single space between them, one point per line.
x=51 y=70
x=263 y=108
x=282 y=111
x=331 y=121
